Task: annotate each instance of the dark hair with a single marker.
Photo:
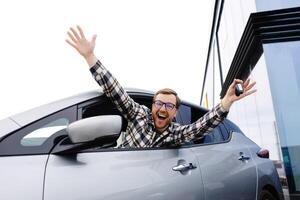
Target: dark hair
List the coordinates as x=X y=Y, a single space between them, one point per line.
x=168 y=91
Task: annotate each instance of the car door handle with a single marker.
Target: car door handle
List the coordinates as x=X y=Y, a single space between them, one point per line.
x=184 y=167
x=243 y=158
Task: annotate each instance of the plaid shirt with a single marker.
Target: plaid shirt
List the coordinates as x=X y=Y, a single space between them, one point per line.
x=140 y=131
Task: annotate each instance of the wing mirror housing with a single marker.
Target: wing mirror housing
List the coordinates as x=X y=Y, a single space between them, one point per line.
x=91 y=132
x=92 y=128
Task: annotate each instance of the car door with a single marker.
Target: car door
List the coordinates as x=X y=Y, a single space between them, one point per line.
x=125 y=174
x=227 y=169
x=24 y=154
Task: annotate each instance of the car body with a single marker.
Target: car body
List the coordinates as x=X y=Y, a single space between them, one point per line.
x=39 y=161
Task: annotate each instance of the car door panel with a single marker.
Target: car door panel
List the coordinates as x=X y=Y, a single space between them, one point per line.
x=23 y=177
x=225 y=175
x=133 y=174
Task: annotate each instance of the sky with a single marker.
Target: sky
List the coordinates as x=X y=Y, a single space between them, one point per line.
x=145 y=44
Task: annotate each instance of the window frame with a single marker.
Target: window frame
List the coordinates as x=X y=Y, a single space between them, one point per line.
x=11 y=145
x=179 y=119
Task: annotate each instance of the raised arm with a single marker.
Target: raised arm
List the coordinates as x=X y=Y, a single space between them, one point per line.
x=104 y=78
x=212 y=119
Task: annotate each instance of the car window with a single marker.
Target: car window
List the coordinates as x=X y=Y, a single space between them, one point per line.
x=40 y=136
x=101 y=107
x=184 y=115
x=104 y=106
x=146 y=101
x=187 y=114
x=190 y=114
x=224 y=130
x=213 y=136
x=217 y=135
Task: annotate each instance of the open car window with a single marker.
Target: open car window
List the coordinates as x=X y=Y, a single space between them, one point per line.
x=187 y=114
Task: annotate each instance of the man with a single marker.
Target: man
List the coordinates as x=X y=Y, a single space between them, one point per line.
x=152 y=128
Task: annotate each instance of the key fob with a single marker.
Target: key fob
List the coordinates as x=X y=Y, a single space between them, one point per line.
x=239 y=89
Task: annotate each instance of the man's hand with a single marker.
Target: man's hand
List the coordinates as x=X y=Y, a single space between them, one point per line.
x=82 y=45
x=230 y=96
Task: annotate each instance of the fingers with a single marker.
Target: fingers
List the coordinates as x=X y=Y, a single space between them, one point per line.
x=248 y=87
x=249 y=92
x=75 y=33
x=75 y=38
x=246 y=83
x=239 y=81
x=70 y=43
x=80 y=32
x=72 y=37
x=94 y=39
x=235 y=81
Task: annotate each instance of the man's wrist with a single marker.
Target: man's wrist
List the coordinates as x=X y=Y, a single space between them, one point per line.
x=91 y=60
x=226 y=104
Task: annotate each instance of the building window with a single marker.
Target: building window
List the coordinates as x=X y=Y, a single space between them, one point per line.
x=283 y=63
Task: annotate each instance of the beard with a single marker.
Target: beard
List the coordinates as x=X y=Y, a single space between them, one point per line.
x=161 y=123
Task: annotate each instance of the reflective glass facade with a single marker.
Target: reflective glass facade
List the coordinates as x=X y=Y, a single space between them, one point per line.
x=283 y=63
x=233 y=20
x=208 y=89
x=265 y=5
x=213 y=84
x=271 y=116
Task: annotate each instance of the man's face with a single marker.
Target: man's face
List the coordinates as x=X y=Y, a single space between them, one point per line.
x=163 y=111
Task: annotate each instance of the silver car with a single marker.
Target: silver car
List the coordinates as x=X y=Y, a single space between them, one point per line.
x=69 y=150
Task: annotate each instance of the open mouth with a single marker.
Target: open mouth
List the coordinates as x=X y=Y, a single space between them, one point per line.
x=161 y=116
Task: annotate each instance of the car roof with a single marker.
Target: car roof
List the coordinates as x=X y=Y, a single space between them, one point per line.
x=19 y=120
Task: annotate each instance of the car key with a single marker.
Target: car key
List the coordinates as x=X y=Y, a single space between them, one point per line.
x=239 y=89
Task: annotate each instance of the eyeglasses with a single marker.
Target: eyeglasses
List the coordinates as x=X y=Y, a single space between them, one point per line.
x=169 y=106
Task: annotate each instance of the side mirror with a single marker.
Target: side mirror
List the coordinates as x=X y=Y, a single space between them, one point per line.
x=91 y=132
x=93 y=128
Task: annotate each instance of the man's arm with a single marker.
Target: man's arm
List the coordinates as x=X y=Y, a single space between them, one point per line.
x=215 y=116
x=200 y=127
x=111 y=87
x=104 y=78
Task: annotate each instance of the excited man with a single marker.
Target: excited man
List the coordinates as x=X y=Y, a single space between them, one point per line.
x=152 y=128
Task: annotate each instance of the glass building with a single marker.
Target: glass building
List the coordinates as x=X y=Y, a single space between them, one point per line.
x=260 y=40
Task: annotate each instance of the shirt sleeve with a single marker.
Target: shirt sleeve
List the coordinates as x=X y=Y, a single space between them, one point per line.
x=200 y=127
x=113 y=90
